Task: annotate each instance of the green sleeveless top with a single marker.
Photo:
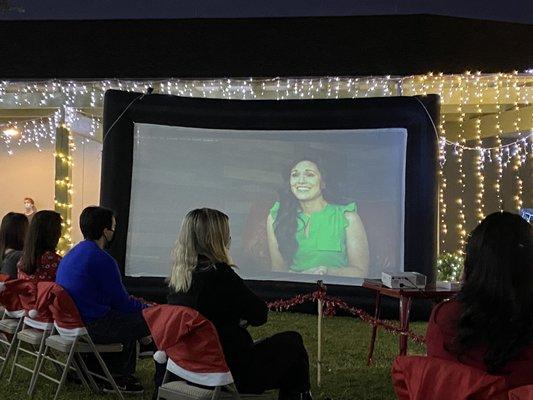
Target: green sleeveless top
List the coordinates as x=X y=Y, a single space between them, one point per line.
x=325 y=244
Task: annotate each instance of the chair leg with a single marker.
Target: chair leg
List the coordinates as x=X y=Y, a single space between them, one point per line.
x=10 y=348
x=165 y=379
x=3 y=341
x=166 y=376
x=85 y=382
x=234 y=391
x=107 y=374
x=38 y=360
x=17 y=347
x=216 y=393
x=56 y=365
x=33 y=384
x=6 y=360
x=67 y=368
x=84 y=370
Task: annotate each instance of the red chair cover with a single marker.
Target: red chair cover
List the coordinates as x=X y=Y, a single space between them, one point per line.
x=63 y=309
x=190 y=342
x=37 y=303
x=522 y=393
x=11 y=292
x=423 y=378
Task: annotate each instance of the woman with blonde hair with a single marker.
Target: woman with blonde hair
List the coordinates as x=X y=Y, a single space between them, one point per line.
x=203 y=278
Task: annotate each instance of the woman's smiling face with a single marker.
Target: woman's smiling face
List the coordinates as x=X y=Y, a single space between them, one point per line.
x=306 y=181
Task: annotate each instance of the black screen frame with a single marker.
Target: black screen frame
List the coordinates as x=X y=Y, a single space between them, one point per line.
x=418 y=115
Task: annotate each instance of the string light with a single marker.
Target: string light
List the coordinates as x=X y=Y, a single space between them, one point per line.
x=64 y=187
x=480 y=163
x=461 y=226
x=11 y=132
x=516 y=168
x=499 y=172
x=442 y=181
x=62 y=205
x=76 y=105
x=449 y=267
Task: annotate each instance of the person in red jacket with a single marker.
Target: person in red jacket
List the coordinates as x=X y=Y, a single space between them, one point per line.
x=489 y=325
x=39 y=259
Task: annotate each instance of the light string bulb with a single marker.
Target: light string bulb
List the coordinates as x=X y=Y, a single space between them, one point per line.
x=475 y=95
x=442 y=182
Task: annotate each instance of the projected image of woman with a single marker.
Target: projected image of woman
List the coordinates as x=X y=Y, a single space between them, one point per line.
x=308 y=234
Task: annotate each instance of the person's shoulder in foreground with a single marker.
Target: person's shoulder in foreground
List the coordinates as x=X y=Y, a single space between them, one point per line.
x=445 y=315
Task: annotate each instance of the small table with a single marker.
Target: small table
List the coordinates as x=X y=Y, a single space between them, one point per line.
x=406 y=296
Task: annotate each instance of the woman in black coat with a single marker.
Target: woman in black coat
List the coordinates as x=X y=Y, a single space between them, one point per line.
x=203 y=278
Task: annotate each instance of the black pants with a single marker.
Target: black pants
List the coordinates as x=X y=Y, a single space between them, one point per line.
x=118 y=327
x=277 y=362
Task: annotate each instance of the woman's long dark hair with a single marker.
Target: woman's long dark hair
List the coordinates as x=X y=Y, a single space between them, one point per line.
x=286 y=222
x=12 y=232
x=43 y=235
x=497 y=292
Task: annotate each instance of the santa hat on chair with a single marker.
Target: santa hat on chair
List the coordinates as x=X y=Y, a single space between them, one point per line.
x=67 y=318
x=189 y=343
x=11 y=292
x=37 y=306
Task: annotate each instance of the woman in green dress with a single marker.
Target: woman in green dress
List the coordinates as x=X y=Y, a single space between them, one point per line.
x=307 y=234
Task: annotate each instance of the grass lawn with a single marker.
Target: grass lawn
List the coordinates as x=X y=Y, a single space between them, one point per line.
x=345 y=375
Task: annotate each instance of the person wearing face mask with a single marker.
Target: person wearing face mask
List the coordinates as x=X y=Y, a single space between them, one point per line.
x=29 y=208
x=308 y=234
x=92 y=278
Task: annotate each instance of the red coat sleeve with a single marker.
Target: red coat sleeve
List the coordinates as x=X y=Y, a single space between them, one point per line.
x=441 y=329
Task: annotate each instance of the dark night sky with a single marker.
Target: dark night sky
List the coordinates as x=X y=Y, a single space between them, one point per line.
x=520 y=11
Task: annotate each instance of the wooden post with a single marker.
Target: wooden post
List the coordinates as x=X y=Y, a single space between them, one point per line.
x=319 y=349
x=320 y=316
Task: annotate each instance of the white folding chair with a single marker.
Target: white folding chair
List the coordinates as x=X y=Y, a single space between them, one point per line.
x=189 y=344
x=34 y=334
x=185 y=390
x=70 y=337
x=74 y=343
x=12 y=318
x=10 y=325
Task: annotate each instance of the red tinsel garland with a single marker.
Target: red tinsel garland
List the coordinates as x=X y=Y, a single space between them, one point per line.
x=332 y=304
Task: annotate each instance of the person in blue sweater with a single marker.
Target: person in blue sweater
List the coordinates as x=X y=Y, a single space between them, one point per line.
x=92 y=278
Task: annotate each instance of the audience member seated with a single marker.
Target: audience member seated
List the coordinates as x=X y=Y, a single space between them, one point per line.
x=431 y=378
x=489 y=325
x=12 y=232
x=202 y=277
x=92 y=278
x=39 y=259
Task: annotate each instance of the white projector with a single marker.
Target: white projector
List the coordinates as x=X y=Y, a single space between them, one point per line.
x=404 y=280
